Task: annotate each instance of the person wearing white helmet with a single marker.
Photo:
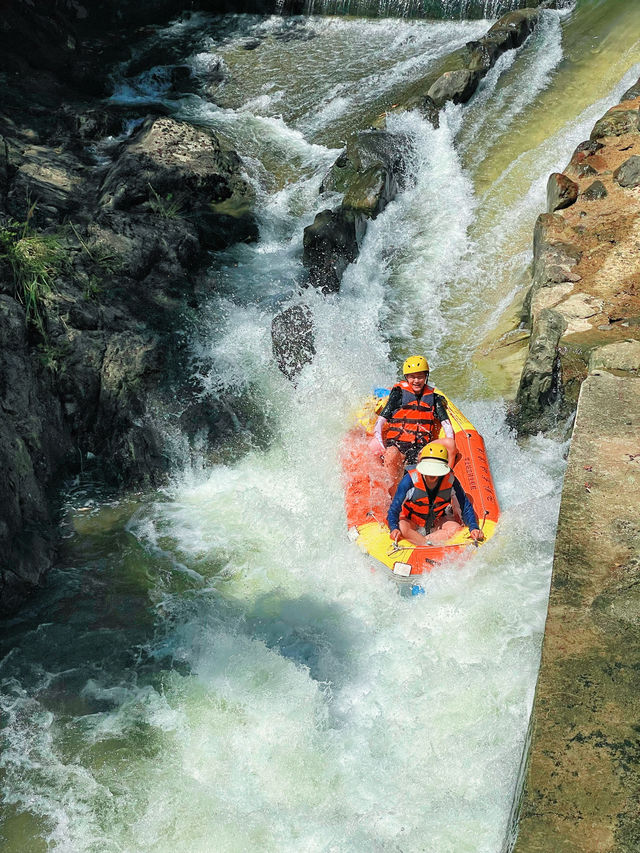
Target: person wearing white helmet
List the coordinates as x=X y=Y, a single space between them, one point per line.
x=411 y=418
x=422 y=509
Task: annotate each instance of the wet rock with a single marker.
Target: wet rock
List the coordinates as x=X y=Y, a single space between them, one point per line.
x=292 y=339
x=616 y=122
x=430 y=110
x=539 y=383
x=31 y=443
x=370 y=173
x=330 y=244
x=366 y=152
x=632 y=92
x=184 y=171
x=595 y=191
x=510 y=31
x=628 y=174
x=561 y=192
x=456 y=86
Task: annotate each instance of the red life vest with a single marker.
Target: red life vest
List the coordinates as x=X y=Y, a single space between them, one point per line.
x=417 y=506
x=415 y=421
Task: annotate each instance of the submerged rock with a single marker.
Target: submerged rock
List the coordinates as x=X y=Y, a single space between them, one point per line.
x=292 y=338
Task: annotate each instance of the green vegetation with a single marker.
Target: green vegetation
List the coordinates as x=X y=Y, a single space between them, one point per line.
x=35 y=259
x=169 y=207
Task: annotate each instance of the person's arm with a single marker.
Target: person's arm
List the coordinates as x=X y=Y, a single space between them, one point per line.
x=467 y=511
x=393 y=402
x=393 y=516
x=440 y=410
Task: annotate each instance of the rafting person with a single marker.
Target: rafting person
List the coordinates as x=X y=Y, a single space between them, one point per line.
x=422 y=510
x=413 y=416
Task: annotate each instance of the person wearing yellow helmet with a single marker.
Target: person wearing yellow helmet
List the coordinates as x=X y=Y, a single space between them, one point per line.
x=423 y=510
x=411 y=418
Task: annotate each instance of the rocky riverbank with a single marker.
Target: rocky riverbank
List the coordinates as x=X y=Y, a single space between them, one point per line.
x=585 y=290
x=580 y=778
x=107 y=221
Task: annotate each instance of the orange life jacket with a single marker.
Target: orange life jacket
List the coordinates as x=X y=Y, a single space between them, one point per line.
x=415 y=421
x=419 y=507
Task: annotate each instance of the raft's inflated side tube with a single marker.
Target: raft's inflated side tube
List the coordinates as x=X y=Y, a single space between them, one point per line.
x=367 y=496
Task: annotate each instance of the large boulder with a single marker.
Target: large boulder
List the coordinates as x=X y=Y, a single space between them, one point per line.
x=457 y=86
x=616 y=122
x=540 y=384
x=330 y=244
x=370 y=172
x=179 y=170
x=510 y=31
x=561 y=192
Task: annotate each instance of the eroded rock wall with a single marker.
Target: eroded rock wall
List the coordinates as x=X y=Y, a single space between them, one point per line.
x=586 y=269
x=103 y=245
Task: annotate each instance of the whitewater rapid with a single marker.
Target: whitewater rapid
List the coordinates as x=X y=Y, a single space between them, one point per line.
x=215 y=667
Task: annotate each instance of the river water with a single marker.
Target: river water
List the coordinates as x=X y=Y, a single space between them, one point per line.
x=214 y=667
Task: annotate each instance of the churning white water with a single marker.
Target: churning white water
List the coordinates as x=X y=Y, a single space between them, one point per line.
x=216 y=667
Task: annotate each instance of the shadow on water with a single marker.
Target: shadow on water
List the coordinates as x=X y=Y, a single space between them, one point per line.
x=122 y=619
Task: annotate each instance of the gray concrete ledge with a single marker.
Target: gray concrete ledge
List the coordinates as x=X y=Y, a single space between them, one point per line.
x=581 y=782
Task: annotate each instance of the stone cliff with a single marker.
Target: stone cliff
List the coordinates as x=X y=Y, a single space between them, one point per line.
x=104 y=236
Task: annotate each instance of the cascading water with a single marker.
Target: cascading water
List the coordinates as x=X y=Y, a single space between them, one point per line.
x=415 y=8
x=215 y=667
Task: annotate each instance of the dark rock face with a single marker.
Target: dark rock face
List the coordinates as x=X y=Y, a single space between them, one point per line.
x=539 y=381
x=90 y=375
x=561 y=192
x=628 y=174
x=182 y=171
x=595 y=191
x=292 y=335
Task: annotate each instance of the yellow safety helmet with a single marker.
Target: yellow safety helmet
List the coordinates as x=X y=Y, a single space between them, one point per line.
x=433 y=460
x=434 y=450
x=415 y=364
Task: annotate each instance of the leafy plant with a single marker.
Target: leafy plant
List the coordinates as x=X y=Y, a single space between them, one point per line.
x=169 y=207
x=34 y=259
